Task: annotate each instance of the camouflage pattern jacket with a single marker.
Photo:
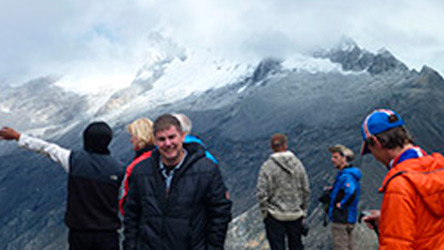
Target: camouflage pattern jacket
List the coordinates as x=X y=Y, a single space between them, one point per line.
x=282 y=188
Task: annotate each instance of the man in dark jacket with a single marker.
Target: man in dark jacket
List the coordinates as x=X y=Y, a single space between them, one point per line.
x=94 y=179
x=177 y=198
x=344 y=198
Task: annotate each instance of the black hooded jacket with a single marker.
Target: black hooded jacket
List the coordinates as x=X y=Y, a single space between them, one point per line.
x=193 y=215
x=93 y=183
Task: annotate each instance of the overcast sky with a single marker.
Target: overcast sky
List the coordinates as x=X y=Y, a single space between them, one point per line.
x=107 y=38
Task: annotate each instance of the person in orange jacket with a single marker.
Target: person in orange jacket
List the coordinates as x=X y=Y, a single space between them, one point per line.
x=412 y=210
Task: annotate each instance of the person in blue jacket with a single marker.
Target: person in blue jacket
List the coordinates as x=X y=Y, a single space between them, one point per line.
x=344 y=198
x=186 y=124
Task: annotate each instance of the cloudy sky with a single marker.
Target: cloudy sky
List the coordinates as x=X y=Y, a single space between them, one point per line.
x=97 y=39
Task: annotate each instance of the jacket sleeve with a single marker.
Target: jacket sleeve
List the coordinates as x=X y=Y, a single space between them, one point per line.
x=263 y=190
x=56 y=153
x=397 y=225
x=219 y=210
x=132 y=209
x=349 y=187
x=305 y=185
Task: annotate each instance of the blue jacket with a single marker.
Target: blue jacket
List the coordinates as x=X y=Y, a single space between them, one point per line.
x=346 y=189
x=192 y=138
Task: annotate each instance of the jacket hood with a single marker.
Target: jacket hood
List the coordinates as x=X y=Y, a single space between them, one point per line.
x=96 y=138
x=286 y=160
x=426 y=175
x=192 y=138
x=353 y=171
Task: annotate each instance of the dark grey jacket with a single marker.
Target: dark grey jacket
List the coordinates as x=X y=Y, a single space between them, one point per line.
x=194 y=215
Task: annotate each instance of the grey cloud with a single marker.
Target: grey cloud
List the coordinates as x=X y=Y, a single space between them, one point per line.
x=52 y=36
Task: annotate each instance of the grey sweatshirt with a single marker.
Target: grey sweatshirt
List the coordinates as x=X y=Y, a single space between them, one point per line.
x=282 y=187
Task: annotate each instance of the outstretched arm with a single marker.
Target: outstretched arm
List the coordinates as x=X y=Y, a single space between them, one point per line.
x=58 y=154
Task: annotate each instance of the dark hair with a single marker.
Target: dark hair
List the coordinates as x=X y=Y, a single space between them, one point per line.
x=165 y=122
x=96 y=138
x=393 y=138
x=278 y=141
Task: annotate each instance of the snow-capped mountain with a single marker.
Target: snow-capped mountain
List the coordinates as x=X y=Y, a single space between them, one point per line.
x=235 y=106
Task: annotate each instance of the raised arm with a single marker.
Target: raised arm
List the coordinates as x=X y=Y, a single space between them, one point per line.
x=56 y=153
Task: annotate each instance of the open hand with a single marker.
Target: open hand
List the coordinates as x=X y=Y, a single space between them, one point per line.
x=372 y=218
x=8 y=134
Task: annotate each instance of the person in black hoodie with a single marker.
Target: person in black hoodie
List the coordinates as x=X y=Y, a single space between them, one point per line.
x=177 y=199
x=94 y=178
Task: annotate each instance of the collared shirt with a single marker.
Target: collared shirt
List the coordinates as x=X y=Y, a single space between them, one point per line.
x=168 y=174
x=411 y=153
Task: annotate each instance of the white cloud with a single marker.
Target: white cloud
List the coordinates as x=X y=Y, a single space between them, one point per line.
x=109 y=37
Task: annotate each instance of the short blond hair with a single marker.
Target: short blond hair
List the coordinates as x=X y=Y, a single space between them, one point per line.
x=142 y=129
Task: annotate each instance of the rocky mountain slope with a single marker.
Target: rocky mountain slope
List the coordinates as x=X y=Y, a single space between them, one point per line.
x=314 y=108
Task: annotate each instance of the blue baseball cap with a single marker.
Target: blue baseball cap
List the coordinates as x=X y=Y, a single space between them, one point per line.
x=378 y=121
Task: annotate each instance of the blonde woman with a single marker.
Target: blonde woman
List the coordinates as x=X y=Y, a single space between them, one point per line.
x=142 y=139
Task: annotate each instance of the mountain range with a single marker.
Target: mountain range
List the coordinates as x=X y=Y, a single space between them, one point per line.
x=318 y=100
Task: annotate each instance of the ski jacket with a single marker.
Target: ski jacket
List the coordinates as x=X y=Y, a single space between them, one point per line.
x=194 y=214
x=412 y=211
x=140 y=156
x=93 y=184
x=93 y=189
x=194 y=139
x=282 y=188
x=346 y=190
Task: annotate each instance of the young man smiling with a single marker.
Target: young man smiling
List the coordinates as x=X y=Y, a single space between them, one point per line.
x=177 y=198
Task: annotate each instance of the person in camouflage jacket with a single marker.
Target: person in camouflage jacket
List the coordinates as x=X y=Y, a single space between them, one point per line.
x=283 y=194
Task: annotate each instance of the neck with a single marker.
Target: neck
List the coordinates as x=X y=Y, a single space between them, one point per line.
x=342 y=167
x=393 y=153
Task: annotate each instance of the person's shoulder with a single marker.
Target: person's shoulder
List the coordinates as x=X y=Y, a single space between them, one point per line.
x=204 y=164
x=267 y=164
x=398 y=184
x=144 y=165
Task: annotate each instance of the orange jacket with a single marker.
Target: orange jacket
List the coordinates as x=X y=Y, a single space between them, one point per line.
x=412 y=212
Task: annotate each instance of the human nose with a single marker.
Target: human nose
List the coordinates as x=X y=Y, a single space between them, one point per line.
x=167 y=142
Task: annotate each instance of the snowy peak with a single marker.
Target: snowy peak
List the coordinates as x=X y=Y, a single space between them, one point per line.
x=161 y=51
x=352 y=58
x=39 y=103
x=265 y=68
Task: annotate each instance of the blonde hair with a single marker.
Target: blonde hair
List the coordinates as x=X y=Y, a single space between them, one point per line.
x=142 y=129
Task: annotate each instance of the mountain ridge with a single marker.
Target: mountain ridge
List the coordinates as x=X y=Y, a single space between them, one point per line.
x=235 y=120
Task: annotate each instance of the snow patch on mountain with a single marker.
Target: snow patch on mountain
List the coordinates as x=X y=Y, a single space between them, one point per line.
x=182 y=77
x=94 y=83
x=310 y=64
x=5 y=109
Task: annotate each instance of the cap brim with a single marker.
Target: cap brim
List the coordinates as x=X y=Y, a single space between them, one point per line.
x=364 y=148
